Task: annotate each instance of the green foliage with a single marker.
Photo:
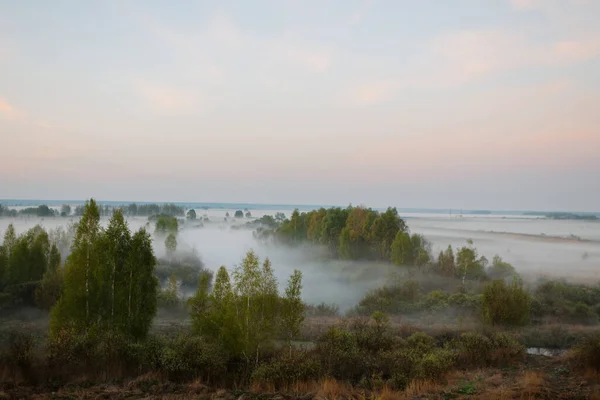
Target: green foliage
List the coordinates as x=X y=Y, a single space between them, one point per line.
x=187 y=266
x=500 y=269
x=191 y=214
x=169 y=297
x=39 y=211
x=50 y=288
x=246 y=315
x=239 y=214
x=187 y=357
x=469 y=265
x=587 y=353
x=26 y=256
x=284 y=371
x=350 y=233
x=446 y=263
x=292 y=309
x=165 y=224
x=478 y=350
x=567 y=302
x=108 y=279
x=171 y=243
x=506 y=304
x=322 y=310
x=65 y=210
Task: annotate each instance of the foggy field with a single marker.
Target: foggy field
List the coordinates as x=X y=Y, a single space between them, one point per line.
x=536 y=247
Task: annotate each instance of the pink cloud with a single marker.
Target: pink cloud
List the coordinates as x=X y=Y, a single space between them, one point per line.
x=573 y=51
x=8 y=111
x=165 y=98
x=373 y=92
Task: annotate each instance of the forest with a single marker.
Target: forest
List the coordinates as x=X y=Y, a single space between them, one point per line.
x=443 y=328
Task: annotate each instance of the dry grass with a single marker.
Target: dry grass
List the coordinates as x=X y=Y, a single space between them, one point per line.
x=390 y=394
x=532 y=384
x=498 y=393
x=591 y=375
x=331 y=389
x=419 y=387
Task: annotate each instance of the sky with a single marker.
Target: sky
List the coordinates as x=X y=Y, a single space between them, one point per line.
x=474 y=104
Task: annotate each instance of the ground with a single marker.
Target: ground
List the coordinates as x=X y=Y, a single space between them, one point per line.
x=539 y=377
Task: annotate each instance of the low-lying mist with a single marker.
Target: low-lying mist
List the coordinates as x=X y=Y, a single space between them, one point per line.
x=218 y=242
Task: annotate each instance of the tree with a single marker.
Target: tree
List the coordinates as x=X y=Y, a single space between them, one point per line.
x=402 y=249
x=50 y=288
x=109 y=280
x=506 y=304
x=279 y=217
x=500 y=269
x=171 y=244
x=247 y=278
x=65 y=210
x=468 y=263
x=292 y=315
x=10 y=237
x=191 y=214
x=446 y=264
x=248 y=215
x=115 y=247
x=239 y=214
x=78 y=306
x=166 y=224
x=28 y=257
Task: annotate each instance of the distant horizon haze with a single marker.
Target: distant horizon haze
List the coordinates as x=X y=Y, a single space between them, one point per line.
x=432 y=104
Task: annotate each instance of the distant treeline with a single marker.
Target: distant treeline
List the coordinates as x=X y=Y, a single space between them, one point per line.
x=564 y=215
x=106 y=210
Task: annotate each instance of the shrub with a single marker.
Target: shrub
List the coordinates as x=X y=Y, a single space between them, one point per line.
x=284 y=371
x=323 y=310
x=476 y=349
x=434 y=364
x=506 y=304
x=436 y=300
x=583 y=314
x=187 y=357
x=473 y=349
x=18 y=353
x=587 y=353
x=339 y=354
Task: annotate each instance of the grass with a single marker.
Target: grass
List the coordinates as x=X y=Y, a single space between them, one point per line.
x=532 y=384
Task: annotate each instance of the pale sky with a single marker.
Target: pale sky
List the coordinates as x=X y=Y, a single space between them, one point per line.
x=488 y=104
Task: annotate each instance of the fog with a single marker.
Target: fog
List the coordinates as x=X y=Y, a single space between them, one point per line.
x=534 y=246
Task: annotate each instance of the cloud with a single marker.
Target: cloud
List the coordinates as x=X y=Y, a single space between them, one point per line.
x=315 y=61
x=7 y=111
x=360 y=13
x=373 y=92
x=573 y=51
x=223 y=30
x=526 y=4
x=165 y=98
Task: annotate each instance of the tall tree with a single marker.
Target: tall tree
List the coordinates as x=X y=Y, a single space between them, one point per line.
x=115 y=248
x=77 y=307
x=292 y=314
x=142 y=286
x=171 y=243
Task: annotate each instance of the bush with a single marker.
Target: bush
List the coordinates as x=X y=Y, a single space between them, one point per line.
x=286 y=370
x=506 y=304
x=587 y=353
x=323 y=310
x=17 y=354
x=188 y=357
x=583 y=314
x=434 y=364
x=477 y=350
